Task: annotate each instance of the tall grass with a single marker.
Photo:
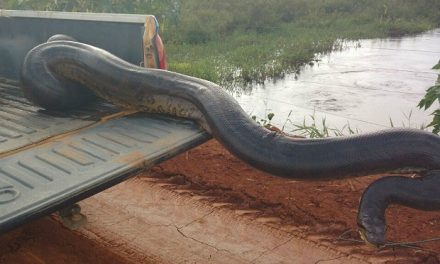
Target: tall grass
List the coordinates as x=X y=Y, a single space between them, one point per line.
x=249 y=41
x=245 y=41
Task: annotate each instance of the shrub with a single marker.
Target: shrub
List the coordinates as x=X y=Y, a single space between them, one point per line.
x=432 y=95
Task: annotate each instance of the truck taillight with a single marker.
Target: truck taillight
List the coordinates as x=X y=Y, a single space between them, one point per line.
x=154 y=50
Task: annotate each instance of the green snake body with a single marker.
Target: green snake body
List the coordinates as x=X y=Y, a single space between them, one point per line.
x=55 y=75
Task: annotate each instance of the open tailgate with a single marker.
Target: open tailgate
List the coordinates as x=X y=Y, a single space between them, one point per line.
x=50 y=160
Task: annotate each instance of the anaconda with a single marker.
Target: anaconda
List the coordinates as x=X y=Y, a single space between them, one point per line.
x=65 y=74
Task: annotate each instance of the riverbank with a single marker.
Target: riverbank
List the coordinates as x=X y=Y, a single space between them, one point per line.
x=248 y=57
x=269 y=48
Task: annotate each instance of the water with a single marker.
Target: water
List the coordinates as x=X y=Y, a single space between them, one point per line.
x=364 y=85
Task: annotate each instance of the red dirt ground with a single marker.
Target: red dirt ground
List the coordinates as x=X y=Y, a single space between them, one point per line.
x=46 y=241
x=320 y=207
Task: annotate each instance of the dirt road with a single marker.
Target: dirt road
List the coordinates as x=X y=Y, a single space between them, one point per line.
x=205 y=206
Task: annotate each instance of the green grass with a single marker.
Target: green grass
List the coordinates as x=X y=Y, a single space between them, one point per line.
x=247 y=56
x=311 y=127
x=250 y=57
x=243 y=41
x=316 y=129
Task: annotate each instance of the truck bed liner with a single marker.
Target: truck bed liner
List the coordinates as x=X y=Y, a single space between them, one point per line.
x=49 y=160
x=22 y=123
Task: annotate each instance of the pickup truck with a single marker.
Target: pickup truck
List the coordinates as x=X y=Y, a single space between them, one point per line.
x=51 y=160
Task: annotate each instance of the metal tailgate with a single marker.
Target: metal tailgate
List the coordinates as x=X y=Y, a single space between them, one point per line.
x=51 y=160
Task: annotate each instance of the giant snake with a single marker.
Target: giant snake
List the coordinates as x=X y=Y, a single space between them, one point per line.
x=63 y=74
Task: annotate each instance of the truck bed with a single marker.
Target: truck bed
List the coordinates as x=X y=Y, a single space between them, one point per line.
x=50 y=160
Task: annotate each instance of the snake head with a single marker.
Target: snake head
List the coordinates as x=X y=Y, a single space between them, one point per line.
x=372 y=230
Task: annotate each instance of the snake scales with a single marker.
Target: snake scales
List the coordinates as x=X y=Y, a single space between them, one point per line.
x=62 y=74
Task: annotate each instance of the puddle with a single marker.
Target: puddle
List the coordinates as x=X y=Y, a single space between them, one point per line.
x=364 y=85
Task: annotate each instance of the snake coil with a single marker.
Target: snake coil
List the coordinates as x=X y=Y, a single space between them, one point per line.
x=64 y=74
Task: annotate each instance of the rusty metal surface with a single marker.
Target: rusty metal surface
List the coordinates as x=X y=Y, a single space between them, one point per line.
x=66 y=167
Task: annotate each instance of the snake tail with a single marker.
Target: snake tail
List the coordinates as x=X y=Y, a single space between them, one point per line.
x=419 y=193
